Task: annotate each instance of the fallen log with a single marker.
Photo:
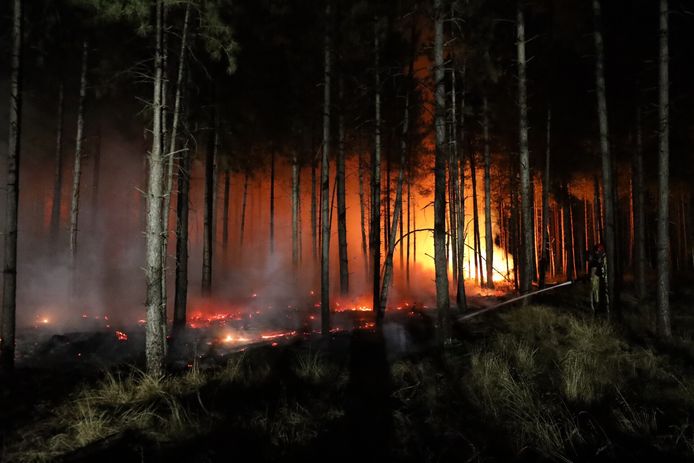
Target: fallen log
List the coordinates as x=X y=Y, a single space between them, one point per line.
x=511 y=301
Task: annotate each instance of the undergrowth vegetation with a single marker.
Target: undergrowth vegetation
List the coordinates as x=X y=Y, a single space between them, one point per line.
x=535 y=383
x=178 y=407
x=559 y=386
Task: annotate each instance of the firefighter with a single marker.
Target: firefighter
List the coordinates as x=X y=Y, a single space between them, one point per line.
x=597 y=264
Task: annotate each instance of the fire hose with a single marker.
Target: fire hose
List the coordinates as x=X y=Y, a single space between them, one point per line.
x=512 y=300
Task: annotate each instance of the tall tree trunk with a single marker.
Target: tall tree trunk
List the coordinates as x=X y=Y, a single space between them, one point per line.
x=488 y=199
x=208 y=219
x=9 y=296
x=607 y=180
x=341 y=201
x=58 y=176
x=314 y=212
x=171 y=152
x=155 y=332
x=440 y=265
x=77 y=173
x=409 y=222
x=545 y=204
x=362 y=214
x=526 y=212
x=476 y=242
x=272 y=203
x=295 y=210
x=388 y=268
x=375 y=227
x=325 y=180
x=458 y=201
x=663 y=286
x=225 y=208
x=639 y=215
x=244 y=202
x=453 y=179
x=182 y=208
x=460 y=299
x=568 y=235
x=386 y=201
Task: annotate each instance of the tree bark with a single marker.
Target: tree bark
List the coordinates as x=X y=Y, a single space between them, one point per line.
x=460 y=298
x=272 y=203
x=607 y=180
x=58 y=176
x=325 y=179
x=663 y=244
x=526 y=212
x=155 y=332
x=388 y=268
x=489 y=239
x=9 y=297
x=244 y=202
x=375 y=227
x=208 y=220
x=639 y=215
x=225 y=208
x=341 y=201
x=476 y=244
x=314 y=212
x=169 y=159
x=182 y=209
x=440 y=265
x=79 y=141
x=545 y=204
x=362 y=214
x=295 y=210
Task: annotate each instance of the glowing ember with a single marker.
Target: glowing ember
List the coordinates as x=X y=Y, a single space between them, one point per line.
x=121 y=336
x=277 y=335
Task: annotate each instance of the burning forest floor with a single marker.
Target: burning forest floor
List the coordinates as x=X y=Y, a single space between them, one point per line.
x=545 y=382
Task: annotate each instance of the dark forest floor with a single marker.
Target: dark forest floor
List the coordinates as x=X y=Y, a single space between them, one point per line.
x=545 y=382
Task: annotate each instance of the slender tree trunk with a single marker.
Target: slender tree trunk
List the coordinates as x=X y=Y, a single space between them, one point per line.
x=440 y=265
x=639 y=216
x=409 y=222
x=171 y=152
x=388 y=268
x=295 y=210
x=9 y=296
x=182 y=208
x=453 y=181
x=476 y=222
x=225 y=206
x=386 y=201
x=244 y=202
x=545 y=204
x=155 y=334
x=208 y=224
x=314 y=212
x=526 y=213
x=460 y=297
x=375 y=227
x=608 y=190
x=58 y=176
x=272 y=203
x=568 y=233
x=325 y=180
x=77 y=173
x=362 y=212
x=341 y=201
x=488 y=199
x=663 y=286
